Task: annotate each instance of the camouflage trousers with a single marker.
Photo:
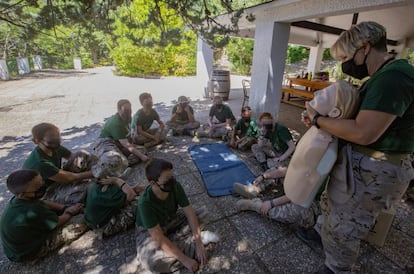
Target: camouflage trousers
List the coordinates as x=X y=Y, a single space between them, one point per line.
x=246 y=143
x=113 y=159
x=153 y=258
x=122 y=221
x=180 y=128
x=372 y=185
x=291 y=213
x=63 y=235
x=75 y=192
x=147 y=142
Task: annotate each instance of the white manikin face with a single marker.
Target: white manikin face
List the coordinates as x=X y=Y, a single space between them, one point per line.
x=324 y=102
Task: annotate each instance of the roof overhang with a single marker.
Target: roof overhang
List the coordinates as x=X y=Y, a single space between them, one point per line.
x=315 y=22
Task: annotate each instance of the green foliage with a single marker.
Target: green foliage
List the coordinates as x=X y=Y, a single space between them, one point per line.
x=143 y=48
x=296 y=53
x=240 y=54
x=326 y=55
x=410 y=56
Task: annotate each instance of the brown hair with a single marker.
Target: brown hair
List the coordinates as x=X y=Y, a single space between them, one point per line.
x=39 y=131
x=122 y=102
x=143 y=96
x=265 y=115
x=18 y=180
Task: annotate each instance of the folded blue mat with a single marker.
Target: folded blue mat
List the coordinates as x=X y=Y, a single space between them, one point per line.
x=220 y=168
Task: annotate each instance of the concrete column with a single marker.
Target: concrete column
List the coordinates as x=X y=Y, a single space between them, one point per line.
x=77 y=63
x=315 y=59
x=204 y=63
x=269 y=56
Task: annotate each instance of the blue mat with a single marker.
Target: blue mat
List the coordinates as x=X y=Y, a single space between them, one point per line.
x=220 y=168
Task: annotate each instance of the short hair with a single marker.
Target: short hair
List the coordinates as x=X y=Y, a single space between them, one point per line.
x=155 y=167
x=245 y=108
x=18 y=180
x=143 y=96
x=39 y=130
x=122 y=102
x=351 y=40
x=265 y=115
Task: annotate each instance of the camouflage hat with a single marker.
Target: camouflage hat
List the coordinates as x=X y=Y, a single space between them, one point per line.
x=183 y=100
x=110 y=164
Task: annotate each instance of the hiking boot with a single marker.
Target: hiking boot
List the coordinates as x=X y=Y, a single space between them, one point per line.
x=250 y=191
x=309 y=235
x=253 y=205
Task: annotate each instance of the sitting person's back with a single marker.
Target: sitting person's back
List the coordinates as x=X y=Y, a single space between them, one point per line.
x=29 y=226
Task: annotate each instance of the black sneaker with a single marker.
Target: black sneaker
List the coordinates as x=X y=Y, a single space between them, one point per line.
x=324 y=270
x=309 y=236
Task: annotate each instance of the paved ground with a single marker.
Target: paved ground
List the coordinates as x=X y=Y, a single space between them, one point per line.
x=78 y=104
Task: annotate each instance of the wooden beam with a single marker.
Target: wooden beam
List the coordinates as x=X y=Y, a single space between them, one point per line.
x=328 y=29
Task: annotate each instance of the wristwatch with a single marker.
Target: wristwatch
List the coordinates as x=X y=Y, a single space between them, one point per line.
x=315 y=120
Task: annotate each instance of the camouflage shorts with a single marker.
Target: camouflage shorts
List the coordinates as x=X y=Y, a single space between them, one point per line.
x=122 y=221
x=64 y=235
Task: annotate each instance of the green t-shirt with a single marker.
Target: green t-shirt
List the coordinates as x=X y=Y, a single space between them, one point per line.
x=144 y=120
x=391 y=90
x=47 y=166
x=115 y=128
x=222 y=115
x=25 y=226
x=279 y=138
x=183 y=116
x=102 y=204
x=251 y=130
x=152 y=211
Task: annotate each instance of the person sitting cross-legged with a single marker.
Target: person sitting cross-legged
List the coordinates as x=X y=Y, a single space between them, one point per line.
x=220 y=120
x=113 y=139
x=30 y=228
x=246 y=131
x=182 y=121
x=167 y=237
x=141 y=131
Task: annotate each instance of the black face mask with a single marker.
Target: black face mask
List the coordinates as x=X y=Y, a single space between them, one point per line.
x=268 y=127
x=52 y=145
x=38 y=193
x=219 y=106
x=356 y=71
x=246 y=119
x=168 y=186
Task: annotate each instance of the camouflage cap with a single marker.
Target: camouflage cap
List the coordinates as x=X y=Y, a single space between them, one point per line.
x=110 y=164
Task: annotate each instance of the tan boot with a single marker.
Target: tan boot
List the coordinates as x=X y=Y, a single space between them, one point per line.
x=253 y=205
x=249 y=192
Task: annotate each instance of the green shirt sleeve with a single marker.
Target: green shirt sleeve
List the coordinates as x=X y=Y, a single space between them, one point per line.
x=47 y=169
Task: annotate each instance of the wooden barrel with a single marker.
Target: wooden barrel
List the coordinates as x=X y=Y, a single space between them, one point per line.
x=219 y=84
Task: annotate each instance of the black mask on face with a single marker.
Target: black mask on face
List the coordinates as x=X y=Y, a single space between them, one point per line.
x=356 y=71
x=52 y=145
x=168 y=186
x=219 y=106
x=268 y=127
x=38 y=193
x=246 y=119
